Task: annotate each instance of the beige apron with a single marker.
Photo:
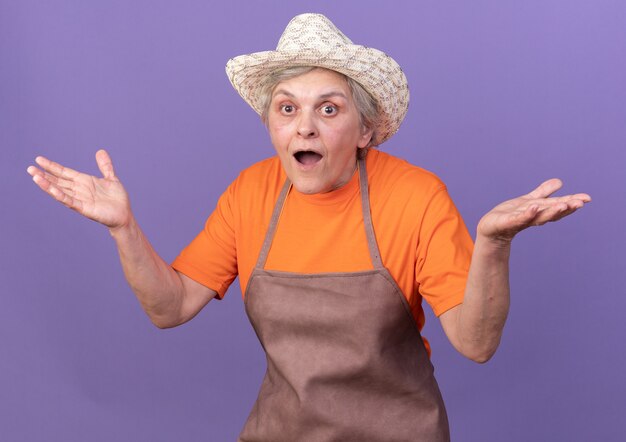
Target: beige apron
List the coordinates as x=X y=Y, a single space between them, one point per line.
x=345 y=359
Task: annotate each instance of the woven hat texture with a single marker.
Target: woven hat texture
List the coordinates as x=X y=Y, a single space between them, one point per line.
x=313 y=40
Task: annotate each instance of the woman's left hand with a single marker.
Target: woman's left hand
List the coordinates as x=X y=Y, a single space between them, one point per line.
x=505 y=220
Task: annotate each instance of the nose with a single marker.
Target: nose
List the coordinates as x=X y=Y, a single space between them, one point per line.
x=306 y=125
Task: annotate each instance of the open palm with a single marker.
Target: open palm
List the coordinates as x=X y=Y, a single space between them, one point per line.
x=536 y=208
x=101 y=199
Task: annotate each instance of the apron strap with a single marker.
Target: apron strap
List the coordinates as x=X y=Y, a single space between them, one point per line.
x=271 y=230
x=367 y=216
x=367 y=220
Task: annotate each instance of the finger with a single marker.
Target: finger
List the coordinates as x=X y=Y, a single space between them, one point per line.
x=105 y=164
x=553 y=213
x=67 y=185
x=570 y=201
x=32 y=171
x=538 y=214
x=57 y=193
x=565 y=199
x=575 y=203
x=546 y=188
x=56 y=169
x=41 y=180
x=564 y=213
x=59 y=182
x=526 y=218
x=584 y=197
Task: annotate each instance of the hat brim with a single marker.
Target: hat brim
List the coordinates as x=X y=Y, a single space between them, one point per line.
x=378 y=73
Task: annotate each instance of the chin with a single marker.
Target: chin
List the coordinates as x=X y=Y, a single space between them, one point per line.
x=308 y=188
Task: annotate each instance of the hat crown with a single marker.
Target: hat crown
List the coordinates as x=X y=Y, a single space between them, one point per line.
x=311 y=31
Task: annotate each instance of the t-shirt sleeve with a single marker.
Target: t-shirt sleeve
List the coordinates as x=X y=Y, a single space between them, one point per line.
x=443 y=254
x=211 y=258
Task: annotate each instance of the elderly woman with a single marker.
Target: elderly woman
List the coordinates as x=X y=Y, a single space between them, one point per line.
x=335 y=244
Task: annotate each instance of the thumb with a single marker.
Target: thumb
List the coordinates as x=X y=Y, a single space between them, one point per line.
x=105 y=164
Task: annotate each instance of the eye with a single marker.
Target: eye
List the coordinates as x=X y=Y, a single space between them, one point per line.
x=287 y=109
x=329 y=110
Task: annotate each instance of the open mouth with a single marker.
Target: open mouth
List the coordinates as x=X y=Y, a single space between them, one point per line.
x=307 y=157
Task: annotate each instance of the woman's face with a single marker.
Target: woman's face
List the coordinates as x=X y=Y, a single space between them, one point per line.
x=315 y=129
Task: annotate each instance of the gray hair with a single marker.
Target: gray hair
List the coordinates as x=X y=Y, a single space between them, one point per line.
x=365 y=104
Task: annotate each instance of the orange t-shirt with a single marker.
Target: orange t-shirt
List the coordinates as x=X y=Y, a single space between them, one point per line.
x=422 y=239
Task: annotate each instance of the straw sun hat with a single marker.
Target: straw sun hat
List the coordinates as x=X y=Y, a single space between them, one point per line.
x=313 y=40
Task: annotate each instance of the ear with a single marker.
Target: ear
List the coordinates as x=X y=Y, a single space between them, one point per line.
x=366 y=137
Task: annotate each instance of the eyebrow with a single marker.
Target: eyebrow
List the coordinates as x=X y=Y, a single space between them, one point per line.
x=325 y=96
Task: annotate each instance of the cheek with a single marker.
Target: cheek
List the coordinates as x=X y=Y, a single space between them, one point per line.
x=279 y=127
x=277 y=134
x=345 y=141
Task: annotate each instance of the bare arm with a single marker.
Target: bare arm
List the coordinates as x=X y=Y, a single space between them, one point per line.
x=475 y=327
x=169 y=298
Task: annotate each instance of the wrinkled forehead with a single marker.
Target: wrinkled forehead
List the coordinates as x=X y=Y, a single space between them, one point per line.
x=312 y=81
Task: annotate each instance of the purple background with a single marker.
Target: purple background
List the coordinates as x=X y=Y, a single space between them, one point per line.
x=504 y=95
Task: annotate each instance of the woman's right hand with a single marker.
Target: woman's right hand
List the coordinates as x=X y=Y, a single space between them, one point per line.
x=101 y=199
